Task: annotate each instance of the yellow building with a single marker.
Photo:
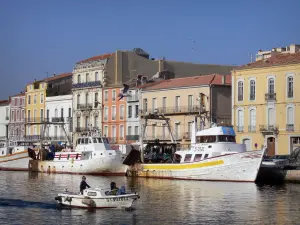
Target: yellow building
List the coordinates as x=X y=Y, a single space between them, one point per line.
x=178 y=99
x=35 y=107
x=266 y=103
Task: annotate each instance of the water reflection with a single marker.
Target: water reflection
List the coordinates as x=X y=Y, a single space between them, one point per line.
x=31 y=195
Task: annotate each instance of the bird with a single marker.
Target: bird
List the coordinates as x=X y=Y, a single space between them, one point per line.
x=124 y=92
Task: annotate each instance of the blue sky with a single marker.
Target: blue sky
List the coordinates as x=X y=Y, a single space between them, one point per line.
x=51 y=35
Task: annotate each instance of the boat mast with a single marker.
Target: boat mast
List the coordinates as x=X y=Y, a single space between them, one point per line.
x=203 y=113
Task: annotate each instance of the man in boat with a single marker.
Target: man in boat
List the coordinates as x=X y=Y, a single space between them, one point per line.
x=83 y=185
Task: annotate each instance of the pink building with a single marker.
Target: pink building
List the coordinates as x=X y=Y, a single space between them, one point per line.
x=16 y=126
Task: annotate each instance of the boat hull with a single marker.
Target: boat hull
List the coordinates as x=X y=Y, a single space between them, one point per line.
x=108 y=166
x=237 y=167
x=80 y=201
x=15 y=162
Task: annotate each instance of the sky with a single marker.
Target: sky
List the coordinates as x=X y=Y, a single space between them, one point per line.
x=50 y=36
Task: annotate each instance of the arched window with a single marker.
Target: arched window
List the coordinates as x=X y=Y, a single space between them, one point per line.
x=252 y=90
x=271 y=86
x=240 y=91
x=290 y=87
x=78 y=79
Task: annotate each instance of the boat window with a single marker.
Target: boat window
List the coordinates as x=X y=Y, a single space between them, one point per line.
x=206 y=155
x=197 y=157
x=92 y=193
x=94 y=140
x=187 y=157
x=86 y=140
x=206 y=139
x=226 y=138
x=59 y=156
x=68 y=156
x=99 y=140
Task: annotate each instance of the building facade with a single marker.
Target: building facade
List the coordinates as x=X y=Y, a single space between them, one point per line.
x=59 y=112
x=266 y=104
x=181 y=99
x=16 y=125
x=291 y=49
x=35 y=109
x=4 y=119
x=89 y=76
x=114 y=115
x=132 y=116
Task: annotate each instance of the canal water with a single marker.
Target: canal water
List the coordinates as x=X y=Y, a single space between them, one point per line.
x=28 y=198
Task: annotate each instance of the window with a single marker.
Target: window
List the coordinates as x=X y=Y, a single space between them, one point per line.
x=177 y=131
x=105 y=131
x=55 y=113
x=129 y=130
x=23 y=114
x=190 y=102
x=290 y=87
x=130 y=111
x=114 y=93
x=42 y=115
x=114 y=112
x=290 y=118
x=78 y=78
x=105 y=113
x=136 y=111
x=78 y=99
x=96 y=121
x=87 y=77
x=96 y=97
x=28 y=115
x=177 y=103
x=29 y=100
x=86 y=121
x=121 y=112
x=190 y=129
x=13 y=115
x=240 y=91
x=34 y=115
x=145 y=105
x=7 y=112
x=154 y=104
x=70 y=113
x=136 y=130
x=271 y=118
x=121 y=132
x=42 y=98
x=86 y=98
x=188 y=158
x=252 y=89
x=252 y=123
x=271 y=85
x=105 y=96
x=240 y=120
x=34 y=99
x=197 y=157
x=164 y=131
x=48 y=112
x=96 y=76
x=153 y=131
x=164 y=104
x=113 y=129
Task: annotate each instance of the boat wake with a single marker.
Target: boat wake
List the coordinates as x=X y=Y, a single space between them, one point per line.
x=5 y=202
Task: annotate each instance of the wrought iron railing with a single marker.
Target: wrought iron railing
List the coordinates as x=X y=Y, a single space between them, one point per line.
x=290 y=127
x=85 y=106
x=87 y=84
x=290 y=94
x=240 y=128
x=132 y=137
x=270 y=96
x=173 y=110
x=268 y=128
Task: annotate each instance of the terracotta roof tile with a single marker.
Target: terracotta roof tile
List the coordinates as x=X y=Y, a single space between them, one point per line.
x=99 y=57
x=59 y=76
x=215 y=79
x=4 y=102
x=277 y=60
x=20 y=94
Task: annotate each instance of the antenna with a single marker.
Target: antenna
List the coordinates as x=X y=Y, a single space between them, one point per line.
x=251 y=57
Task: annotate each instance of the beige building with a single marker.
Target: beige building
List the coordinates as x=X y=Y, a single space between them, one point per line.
x=179 y=99
x=293 y=48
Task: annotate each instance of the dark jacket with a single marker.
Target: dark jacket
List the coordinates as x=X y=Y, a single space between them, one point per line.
x=83 y=185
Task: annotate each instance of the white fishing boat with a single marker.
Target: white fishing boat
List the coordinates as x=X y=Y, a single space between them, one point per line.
x=97 y=198
x=214 y=156
x=15 y=158
x=92 y=155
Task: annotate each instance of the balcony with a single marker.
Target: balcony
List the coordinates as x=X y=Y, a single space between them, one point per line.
x=269 y=129
x=290 y=127
x=58 y=120
x=36 y=120
x=270 y=96
x=251 y=128
x=240 y=128
x=176 y=110
x=133 y=98
x=85 y=129
x=132 y=137
x=87 y=84
x=87 y=106
x=32 y=138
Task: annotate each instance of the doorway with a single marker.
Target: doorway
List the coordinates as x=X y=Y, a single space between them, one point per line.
x=247 y=142
x=271 y=146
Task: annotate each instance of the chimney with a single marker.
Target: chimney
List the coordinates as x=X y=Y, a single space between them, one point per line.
x=54 y=74
x=223 y=79
x=34 y=80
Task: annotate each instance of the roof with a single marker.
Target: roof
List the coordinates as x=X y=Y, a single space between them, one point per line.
x=99 y=57
x=279 y=59
x=20 y=94
x=4 y=102
x=59 y=76
x=215 y=79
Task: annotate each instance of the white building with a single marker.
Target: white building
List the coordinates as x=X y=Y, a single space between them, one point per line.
x=4 y=119
x=293 y=48
x=88 y=77
x=132 y=118
x=59 y=114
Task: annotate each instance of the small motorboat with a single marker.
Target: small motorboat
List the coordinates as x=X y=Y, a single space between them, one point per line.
x=97 y=198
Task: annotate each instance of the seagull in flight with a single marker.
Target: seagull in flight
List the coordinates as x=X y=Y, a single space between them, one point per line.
x=124 y=92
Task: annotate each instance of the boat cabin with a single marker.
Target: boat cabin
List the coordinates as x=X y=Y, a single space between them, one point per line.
x=92 y=144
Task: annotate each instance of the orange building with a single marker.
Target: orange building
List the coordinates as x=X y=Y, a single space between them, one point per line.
x=114 y=115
